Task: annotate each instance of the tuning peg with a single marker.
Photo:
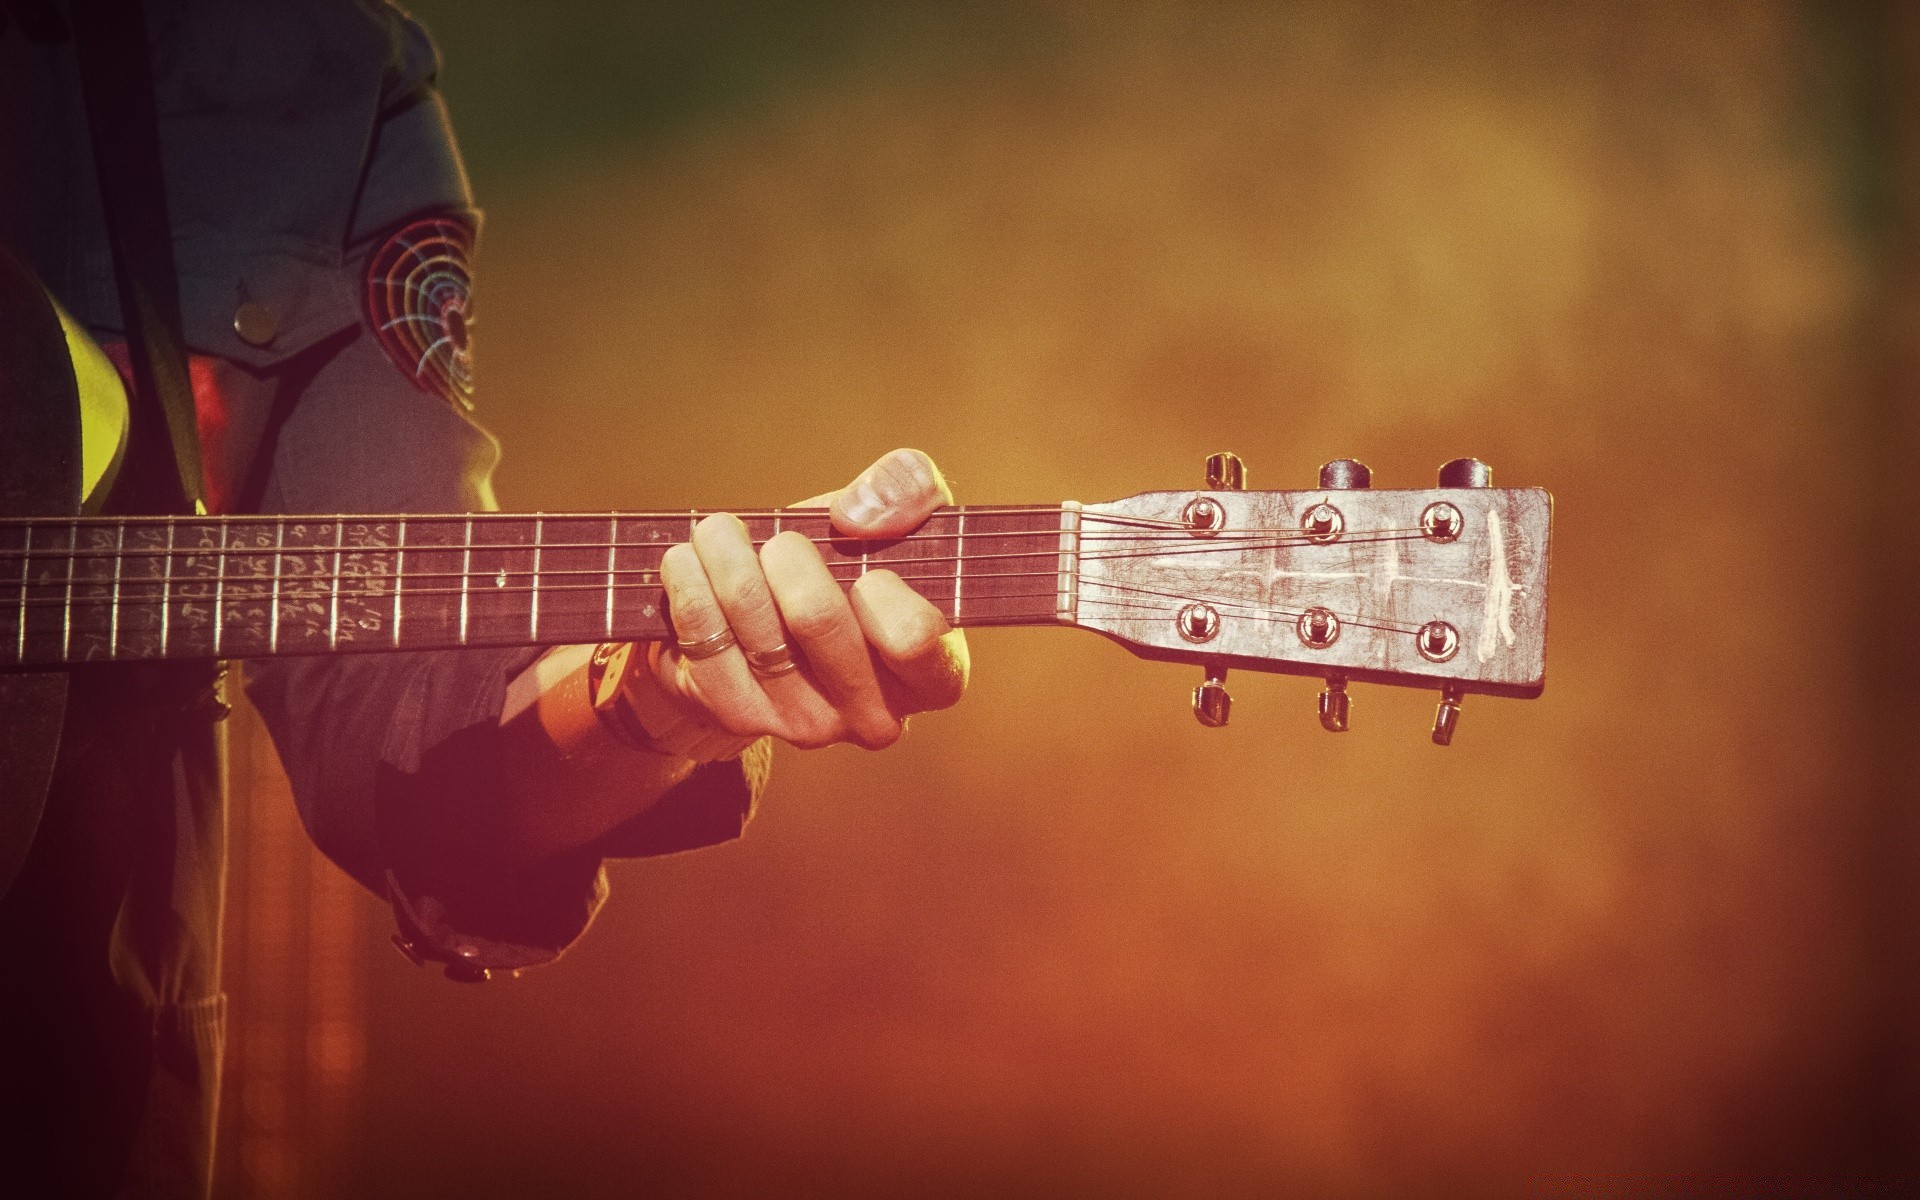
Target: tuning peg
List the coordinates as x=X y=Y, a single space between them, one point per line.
x=1466 y=473
x=1447 y=718
x=1226 y=473
x=1334 y=705
x=1345 y=474
x=1211 y=703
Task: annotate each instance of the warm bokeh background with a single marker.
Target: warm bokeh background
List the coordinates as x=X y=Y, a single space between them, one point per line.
x=1645 y=933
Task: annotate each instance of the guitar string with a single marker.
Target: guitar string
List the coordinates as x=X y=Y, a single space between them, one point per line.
x=1126 y=545
x=1242 y=608
x=129 y=588
x=1178 y=534
x=482 y=638
x=672 y=514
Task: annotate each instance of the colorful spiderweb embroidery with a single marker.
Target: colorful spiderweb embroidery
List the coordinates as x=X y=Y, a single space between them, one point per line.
x=418 y=290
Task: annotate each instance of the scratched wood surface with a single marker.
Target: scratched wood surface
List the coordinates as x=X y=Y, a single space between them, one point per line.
x=1382 y=579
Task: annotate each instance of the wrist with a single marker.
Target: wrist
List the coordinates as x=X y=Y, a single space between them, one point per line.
x=606 y=677
x=626 y=693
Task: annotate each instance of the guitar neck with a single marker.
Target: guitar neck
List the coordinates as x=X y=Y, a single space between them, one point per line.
x=106 y=589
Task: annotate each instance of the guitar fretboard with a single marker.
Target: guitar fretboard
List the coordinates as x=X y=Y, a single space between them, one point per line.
x=82 y=590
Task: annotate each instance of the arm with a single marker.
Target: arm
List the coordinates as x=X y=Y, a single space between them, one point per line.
x=862 y=663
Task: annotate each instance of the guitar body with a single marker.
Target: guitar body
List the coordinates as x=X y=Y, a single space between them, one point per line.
x=39 y=475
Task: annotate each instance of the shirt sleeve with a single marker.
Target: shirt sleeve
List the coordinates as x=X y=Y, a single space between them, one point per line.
x=394 y=758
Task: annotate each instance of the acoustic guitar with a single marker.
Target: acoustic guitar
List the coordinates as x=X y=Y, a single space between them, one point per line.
x=1440 y=588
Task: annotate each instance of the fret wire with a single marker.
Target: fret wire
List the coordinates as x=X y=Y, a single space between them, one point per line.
x=399 y=573
x=466 y=578
x=26 y=573
x=220 y=588
x=333 y=604
x=66 y=628
x=113 y=620
x=959 y=560
x=273 y=616
x=166 y=590
x=533 y=619
x=613 y=548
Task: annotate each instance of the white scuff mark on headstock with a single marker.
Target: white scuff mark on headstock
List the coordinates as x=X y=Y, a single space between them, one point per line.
x=1500 y=589
x=1389 y=571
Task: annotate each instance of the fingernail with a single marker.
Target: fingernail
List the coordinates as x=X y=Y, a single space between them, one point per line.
x=862 y=503
x=909 y=470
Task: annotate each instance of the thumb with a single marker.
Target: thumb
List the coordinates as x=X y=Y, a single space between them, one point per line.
x=890 y=498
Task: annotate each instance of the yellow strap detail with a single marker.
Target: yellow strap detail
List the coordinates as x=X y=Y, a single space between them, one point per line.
x=103 y=413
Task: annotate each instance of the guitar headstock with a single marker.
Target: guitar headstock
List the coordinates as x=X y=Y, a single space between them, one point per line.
x=1443 y=587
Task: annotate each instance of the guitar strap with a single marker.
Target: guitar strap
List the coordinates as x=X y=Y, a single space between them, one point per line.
x=117 y=81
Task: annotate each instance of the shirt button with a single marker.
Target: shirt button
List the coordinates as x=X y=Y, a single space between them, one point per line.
x=255 y=323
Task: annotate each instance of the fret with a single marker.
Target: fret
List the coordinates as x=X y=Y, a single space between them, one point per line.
x=1014 y=575
x=119 y=556
x=573 y=580
x=141 y=585
x=249 y=576
x=166 y=591
x=273 y=602
x=436 y=557
x=500 y=581
x=333 y=590
x=194 y=581
x=26 y=574
x=613 y=549
x=303 y=601
x=66 y=624
x=959 y=558
x=364 y=568
x=219 y=590
x=638 y=609
x=89 y=615
x=533 y=616
x=926 y=561
x=466 y=579
x=399 y=572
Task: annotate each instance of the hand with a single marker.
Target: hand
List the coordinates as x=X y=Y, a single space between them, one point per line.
x=866 y=660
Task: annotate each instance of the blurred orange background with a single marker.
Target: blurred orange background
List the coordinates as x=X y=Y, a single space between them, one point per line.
x=1645 y=935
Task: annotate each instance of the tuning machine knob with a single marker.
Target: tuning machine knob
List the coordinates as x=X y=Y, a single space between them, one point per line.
x=1226 y=473
x=1334 y=705
x=1447 y=718
x=1211 y=703
x=1346 y=475
x=1466 y=473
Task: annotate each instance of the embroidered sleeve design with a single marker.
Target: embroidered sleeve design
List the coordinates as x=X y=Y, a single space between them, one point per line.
x=418 y=297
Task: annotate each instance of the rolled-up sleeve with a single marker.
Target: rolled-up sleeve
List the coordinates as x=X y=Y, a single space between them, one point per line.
x=395 y=758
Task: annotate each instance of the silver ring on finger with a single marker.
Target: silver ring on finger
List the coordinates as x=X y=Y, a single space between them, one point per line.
x=706 y=647
x=769 y=663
